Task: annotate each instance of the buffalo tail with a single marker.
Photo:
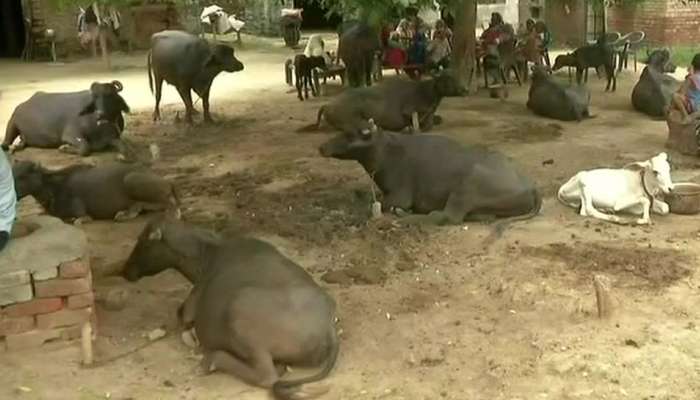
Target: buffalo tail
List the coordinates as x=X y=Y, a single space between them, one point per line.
x=292 y=390
x=502 y=225
x=150 y=70
x=317 y=125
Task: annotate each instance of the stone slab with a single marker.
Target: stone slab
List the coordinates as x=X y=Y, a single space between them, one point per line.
x=45 y=274
x=53 y=243
x=14 y=278
x=16 y=294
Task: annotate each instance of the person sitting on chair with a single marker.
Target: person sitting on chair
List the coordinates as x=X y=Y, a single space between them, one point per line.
x=8 y=200
x=440 y=46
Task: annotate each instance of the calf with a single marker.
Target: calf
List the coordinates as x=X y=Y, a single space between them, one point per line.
x=74 y=122
x=632 y=189
x=303 y=69
x=253 y=310
x=593 y=55
x=83 y=192
x=394 y=104
x=434 y=175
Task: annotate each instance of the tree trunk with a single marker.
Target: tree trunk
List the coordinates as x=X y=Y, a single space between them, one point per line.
x=465 y=43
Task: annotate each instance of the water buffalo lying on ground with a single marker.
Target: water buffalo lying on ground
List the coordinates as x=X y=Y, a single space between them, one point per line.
x=592 y=55
x=188 y=63
x=253 y=310
x=394 y=104
x=653 y=92
x=552 y=99
x=358 y=43
x=84 y=192
x=74 y=122
x=429 y=174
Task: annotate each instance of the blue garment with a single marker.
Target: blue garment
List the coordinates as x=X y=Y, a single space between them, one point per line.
x=694 y=92
x=8 y=197
x=417 y=53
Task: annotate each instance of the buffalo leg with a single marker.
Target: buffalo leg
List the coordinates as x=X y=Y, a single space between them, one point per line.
x=11 y=134
x=75 y=145
x=159 y=92
x=136 y=209
x=186 y=95
x=258 y=371
x=205 y=107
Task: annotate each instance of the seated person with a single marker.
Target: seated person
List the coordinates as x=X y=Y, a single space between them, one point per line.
x=545 y=39
x=497 y=31
x=8 y=200
x=440 y=46
x=687 y=99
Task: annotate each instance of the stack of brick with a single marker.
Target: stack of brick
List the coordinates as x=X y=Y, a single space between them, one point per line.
x=665 y=22
x=50 y=296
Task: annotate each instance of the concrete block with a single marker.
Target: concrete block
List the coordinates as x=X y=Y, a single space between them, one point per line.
x=30 y=339
x=16 y=294
x=34 y=307
x=45 y=274
x=75 y=269
x=63 y=318
x=14 y=278
x=62 y=287
x=15 y=325
x=81 y=300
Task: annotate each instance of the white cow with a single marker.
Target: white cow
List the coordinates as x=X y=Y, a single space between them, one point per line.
x=632 y=189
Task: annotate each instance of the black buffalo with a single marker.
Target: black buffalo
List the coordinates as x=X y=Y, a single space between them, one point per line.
x=74 y=122
x=188 y=63
x=653 y=92
x=358 y=45
x=429 y=174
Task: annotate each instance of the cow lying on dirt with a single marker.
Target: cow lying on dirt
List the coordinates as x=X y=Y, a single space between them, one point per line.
x=83 y=192
x=653 y=92
x=252 y=309
x=434 y=175
x=551 y=99
x=632 y=189
x=394 y=104
x=74 y=122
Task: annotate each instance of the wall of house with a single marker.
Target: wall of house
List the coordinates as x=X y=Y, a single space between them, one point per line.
x=262 y=16
x=667 y=22
x=507 y=8
x=566 y=20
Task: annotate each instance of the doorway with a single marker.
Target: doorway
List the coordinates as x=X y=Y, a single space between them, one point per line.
x=314 y=16
x=12 y=33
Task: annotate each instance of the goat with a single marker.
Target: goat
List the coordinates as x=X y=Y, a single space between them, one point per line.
x=632 y=189
x=303 y=68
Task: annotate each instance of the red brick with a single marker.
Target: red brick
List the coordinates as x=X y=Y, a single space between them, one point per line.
x=33 y=307
x=15 y=325
x=61 y=287
x=81 y=300
x=30 y=339
x=62 y=318
x=74 y=269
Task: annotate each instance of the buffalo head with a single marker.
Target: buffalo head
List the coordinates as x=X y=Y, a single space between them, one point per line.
x=539 y=73
x=660 y=59
x=447 y=85
x=28 y=176
x=106 y=102
x=152 y=253
x=223 y=58
x=351 y=145
x=564 y=60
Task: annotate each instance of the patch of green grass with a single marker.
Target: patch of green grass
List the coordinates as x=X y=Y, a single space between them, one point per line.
x=682 y=55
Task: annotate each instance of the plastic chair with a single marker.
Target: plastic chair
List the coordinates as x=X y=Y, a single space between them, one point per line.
x=636 y=41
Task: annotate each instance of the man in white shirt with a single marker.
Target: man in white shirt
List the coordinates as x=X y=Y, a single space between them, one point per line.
x=8 y=200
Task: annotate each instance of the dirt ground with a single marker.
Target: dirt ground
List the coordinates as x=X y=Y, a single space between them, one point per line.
x=425 y=312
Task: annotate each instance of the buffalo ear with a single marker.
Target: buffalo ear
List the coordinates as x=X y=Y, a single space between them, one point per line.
x=123 y=105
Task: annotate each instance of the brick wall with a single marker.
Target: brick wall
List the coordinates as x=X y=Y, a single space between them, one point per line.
x=667 y=22
x=45 y=291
